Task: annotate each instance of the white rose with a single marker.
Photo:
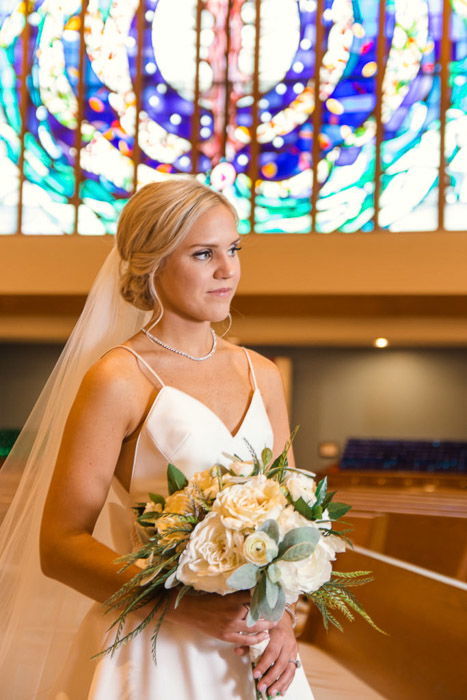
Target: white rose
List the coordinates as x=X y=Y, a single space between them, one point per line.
x=290 y=518
x=301 y=485
x=211 y=556
x=333 y=544
x=259 y=548
x=238 y=468
x=305 y=575
x=244 y=506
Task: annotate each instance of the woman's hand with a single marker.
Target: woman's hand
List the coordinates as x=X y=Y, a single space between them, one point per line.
x=275 y=670
x=222 y=617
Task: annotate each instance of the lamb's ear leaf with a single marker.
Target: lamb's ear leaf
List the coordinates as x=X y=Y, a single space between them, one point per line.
x=176 y=479
x=271 y=528
x=259 y=594
x=244 y=577
x=273 y=613
x=299 y=535
x=298 y=551
x=272 y=592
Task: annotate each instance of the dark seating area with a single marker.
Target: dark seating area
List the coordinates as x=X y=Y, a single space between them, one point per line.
x=407 y=455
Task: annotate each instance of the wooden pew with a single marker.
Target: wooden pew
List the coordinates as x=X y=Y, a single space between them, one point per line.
x=423 y=656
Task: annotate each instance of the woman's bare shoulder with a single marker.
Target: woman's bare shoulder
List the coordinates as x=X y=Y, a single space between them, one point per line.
x=265 y=368
x=114 y=376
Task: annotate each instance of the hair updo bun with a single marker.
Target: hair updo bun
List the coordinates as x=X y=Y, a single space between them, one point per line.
x=152 y=225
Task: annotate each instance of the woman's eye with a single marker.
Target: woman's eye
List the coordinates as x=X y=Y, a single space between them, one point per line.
x=202 y=254
x=234 y=249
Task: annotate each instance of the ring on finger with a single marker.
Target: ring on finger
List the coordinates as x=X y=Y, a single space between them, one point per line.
x=297 y=662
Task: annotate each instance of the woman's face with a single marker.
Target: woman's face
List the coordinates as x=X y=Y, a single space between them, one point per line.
x=199 y=279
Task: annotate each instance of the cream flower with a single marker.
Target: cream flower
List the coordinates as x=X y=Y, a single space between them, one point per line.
x=152 y=507
x=259 y=548
x=333 y=544
x=207 y=481
x=211 y=556
x=290 y=518
x=246 y=506
x=238 y=468
x=301 y=485
x=172 y=529
x=179 y=502
x=305 y=575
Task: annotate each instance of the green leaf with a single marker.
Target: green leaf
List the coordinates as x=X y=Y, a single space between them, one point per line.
x=272 y=592
x=337 y=510
x=157 y=498
x=244 y=577
x=176 y=479
x=266 y=456
x=274 y=573
x=317 y=512
x=329 y=496
x=271 y=528
x=273 y=613
x=298 y=536
x=182 y=591
x=321 y=489
x=259 y=594
x=298 y=551
x=302 y=507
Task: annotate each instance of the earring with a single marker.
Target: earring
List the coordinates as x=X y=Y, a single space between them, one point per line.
x=229 y=316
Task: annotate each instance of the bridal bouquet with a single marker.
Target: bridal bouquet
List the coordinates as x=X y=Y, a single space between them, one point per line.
x=258 y=525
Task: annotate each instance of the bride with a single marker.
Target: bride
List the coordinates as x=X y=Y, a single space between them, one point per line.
x=172 y=391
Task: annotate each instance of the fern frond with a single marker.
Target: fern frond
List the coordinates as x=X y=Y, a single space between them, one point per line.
x=157 y=628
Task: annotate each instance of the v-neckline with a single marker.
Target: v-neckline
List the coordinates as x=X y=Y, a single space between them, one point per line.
x=233 y=435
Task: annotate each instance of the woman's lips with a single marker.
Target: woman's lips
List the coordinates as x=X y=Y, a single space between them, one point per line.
x=224 y=292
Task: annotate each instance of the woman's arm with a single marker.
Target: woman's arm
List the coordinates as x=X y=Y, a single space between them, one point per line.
x=104 y=411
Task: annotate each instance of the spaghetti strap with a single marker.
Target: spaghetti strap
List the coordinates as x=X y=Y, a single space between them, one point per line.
x=142 y=360
x=250 y=363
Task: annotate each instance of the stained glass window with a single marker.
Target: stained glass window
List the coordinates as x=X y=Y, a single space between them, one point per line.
x=310 y=115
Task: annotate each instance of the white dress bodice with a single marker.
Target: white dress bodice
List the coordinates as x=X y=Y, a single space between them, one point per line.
x=182 y=430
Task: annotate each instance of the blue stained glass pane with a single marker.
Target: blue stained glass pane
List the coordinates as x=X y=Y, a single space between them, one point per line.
x=456 y=123
x=410 y=152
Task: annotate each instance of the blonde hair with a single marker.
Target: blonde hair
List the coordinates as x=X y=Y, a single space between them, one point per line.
x=152 y=225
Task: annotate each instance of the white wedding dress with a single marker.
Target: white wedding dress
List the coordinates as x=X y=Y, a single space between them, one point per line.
x=190 y=665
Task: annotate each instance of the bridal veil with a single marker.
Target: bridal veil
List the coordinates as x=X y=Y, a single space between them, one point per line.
x=39 y=615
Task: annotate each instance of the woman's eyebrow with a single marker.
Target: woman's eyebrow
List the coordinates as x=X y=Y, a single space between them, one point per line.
x=211 y=245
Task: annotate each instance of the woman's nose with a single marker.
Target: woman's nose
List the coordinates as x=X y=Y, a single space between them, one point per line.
x=225 y=267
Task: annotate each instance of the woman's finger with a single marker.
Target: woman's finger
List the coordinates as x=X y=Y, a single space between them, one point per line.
x=282 y=666
x=246 y=639
x=280 y=686
x=267 y=660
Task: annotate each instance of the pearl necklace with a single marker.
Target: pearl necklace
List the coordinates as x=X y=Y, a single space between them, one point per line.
x=180 y=352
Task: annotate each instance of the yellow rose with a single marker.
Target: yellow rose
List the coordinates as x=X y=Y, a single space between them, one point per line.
x=207 y=481
x=259 y=548
x=247 y=506
x=179 y=502
x=212 y=554
x=172 y=529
